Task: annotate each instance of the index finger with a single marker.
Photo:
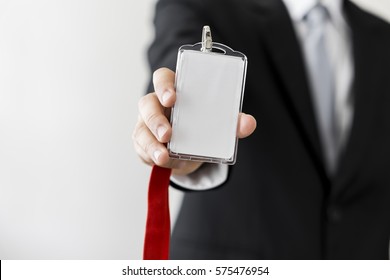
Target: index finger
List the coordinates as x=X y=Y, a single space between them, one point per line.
x=163 y=81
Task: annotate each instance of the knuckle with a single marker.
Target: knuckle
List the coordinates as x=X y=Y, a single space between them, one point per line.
x=149 y=148
x=144 y=157
x=157 y=73
x=142 y=102
x=142 y=139
x=153 y=119
x=134 y=134
x=136 y=130
x=145 y=140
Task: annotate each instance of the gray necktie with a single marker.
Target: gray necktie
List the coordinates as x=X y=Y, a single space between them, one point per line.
x=322 y=83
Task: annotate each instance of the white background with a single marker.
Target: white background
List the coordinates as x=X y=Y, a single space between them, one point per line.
x=71 y=72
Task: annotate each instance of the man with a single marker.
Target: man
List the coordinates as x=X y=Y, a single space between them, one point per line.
x=313 y=180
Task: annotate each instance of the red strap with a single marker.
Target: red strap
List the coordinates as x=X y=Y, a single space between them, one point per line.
x=158 y=225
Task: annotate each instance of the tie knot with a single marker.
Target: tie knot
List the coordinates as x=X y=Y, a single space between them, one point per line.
x=317 y=16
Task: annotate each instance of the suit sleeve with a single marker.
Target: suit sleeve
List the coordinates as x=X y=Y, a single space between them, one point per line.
x=176 y=23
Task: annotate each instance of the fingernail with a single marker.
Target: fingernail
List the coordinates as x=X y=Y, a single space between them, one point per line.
x=156 y=155
x=161 y=130
x=166 y=95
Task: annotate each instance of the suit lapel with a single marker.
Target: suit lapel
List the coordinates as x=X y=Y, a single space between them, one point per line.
x=367 y=86
x=286 y=55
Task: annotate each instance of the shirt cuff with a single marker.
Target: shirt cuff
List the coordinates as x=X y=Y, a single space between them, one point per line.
x=208 y=176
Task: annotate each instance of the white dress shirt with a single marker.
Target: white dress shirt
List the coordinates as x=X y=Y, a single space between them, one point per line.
x=339 y=47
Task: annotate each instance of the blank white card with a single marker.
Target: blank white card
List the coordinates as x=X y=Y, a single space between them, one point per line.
x=209 y=89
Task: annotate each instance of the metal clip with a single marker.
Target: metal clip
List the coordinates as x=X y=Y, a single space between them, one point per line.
x=207 y=41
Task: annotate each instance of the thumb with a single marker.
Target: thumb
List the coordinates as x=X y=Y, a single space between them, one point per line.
x=246 y=125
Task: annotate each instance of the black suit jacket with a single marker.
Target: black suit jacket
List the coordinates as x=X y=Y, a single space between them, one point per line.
x=278 y=202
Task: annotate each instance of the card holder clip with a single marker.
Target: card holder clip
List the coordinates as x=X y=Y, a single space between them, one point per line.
x=207 y=40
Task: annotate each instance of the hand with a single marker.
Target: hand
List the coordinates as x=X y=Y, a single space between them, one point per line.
x=153 y=129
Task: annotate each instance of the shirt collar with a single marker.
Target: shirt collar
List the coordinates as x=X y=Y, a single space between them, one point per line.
x=299 y=8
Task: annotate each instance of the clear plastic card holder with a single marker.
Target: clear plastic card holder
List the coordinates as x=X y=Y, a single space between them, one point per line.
x=210 y=81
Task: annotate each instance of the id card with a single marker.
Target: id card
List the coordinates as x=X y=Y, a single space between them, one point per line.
x=210 y=80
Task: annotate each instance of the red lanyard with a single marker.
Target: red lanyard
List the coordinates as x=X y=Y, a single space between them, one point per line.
x=158 y=226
